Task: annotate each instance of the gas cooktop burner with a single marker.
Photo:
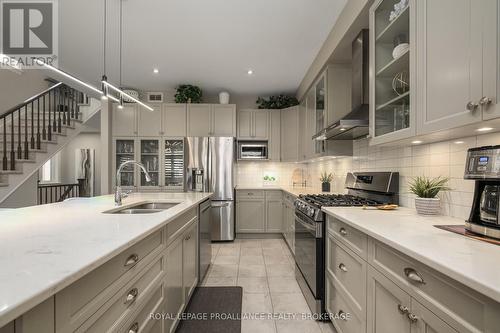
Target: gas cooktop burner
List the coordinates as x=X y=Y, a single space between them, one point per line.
x=336 y=200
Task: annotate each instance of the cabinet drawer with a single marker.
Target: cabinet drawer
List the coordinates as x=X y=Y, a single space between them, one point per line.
x=76 y=303
x=346 y=319
x=143 y=321
x=458 y=305
x=250 y=194
x=180 y=224
x=354 y=239
x=274 y=194
x=127 y=300
x=348 y=271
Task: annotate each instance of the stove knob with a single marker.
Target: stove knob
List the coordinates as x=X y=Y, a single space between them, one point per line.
x=310 y=212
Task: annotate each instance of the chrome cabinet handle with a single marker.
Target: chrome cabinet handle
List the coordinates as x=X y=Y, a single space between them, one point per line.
x=131 y=296
x=472 y=106
x=412 y=318
x=343 y=232
x=343 y=267
x=485 y=101
x=413 y=275
x=134 y=328
x=403 y=309
x=132 y=260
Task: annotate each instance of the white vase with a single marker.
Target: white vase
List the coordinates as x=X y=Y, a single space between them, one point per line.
x=224 y=97
x=428 y=206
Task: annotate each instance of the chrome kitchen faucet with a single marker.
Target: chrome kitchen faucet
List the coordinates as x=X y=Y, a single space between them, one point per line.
x=119 y=195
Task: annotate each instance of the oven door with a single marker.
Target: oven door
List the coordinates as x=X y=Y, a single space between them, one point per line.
x=308 y=251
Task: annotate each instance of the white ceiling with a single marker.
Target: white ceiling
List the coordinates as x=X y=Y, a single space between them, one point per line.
x=211 y=43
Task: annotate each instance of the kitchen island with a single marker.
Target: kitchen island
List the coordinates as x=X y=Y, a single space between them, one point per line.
x=47 y=250
x=398 y=263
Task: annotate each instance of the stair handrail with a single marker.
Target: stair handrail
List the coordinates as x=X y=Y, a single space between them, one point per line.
x=29 y=100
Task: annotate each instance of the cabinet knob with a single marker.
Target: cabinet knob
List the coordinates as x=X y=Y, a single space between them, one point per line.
x=343 y=232
x=472 y=106
x=485 y=101
x=403 y=309
x=412 y=318
x=131 y=296
x=343 y=267
x=413 y=275
x=134 y=328
x=131 y=260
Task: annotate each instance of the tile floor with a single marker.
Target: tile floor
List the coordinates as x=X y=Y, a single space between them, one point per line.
x=266 y=270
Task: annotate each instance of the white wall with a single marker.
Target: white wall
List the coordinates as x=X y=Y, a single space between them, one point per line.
x=16 y=88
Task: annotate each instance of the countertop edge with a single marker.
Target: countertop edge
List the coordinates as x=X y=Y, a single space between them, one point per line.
x=481 y=288
x=24 y=306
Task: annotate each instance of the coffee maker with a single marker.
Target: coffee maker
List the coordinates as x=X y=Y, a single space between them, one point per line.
x=483 y=166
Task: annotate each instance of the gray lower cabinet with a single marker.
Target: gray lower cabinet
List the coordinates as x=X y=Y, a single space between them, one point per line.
x=383 y=290
x=259 y=211
x=174 y=284
x=189 y=255
x=288 y=221
x=34 y=321
x=250 y=215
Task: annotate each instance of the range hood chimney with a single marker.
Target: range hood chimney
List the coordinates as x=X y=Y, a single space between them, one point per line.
x=354 y=125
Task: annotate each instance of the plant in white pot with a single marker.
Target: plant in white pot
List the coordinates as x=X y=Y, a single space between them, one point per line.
x=426 y=190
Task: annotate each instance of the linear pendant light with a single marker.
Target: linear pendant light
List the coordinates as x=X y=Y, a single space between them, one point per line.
x=118 y=90
x=71 y=77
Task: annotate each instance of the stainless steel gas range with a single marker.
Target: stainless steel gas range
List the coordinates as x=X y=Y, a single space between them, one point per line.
x=364 y=189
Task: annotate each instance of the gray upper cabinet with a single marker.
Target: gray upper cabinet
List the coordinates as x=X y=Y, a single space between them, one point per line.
x=223 y=120
x=125 y=120
x=450 y=63
x=149 y=122
x=253 y=124
x=274 y=144
x=491 y=58
x=290 y=134
x=309 y=146
x=174 y=120
x=211 y=120
x=304 y=137
x=199 y=120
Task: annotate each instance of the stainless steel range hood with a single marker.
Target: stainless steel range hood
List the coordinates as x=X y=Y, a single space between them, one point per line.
x=354 y=125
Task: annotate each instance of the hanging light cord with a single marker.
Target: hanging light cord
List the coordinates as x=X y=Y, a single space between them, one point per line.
x=105 y=33
x=121 y=40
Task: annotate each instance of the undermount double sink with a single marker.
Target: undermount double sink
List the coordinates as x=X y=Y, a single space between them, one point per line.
x=144 y=208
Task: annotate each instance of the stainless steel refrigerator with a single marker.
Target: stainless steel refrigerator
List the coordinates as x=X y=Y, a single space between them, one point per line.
x=209 y=168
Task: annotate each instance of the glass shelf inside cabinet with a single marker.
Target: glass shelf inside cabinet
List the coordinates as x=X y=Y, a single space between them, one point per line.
x=392 y=66
x=150 y=158
x=125 y=151
x=174 y=163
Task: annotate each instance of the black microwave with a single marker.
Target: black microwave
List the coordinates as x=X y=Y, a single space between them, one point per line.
x=252 y=150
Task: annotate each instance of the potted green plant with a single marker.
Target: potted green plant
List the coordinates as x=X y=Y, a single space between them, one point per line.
x=326 y=179
x=426 y=189
x=277 y=102
x=187 y=93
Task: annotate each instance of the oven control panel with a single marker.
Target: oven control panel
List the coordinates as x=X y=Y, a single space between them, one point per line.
x=483 y=163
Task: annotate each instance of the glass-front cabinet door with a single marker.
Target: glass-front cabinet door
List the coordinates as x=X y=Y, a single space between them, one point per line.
x=320 y=103
x=174 y=164
x=390 y=58
x=125 y=151
x=150 y=158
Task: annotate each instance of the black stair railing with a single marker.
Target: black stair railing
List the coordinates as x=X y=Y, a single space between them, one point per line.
x=50 y=110
x=50 y=193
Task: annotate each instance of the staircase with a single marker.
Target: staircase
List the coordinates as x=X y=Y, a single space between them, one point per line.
x=33 y=131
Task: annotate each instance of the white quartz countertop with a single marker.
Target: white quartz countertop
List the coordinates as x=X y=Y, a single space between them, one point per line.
x=295 y=191
x=469 y=261
x=43 y=249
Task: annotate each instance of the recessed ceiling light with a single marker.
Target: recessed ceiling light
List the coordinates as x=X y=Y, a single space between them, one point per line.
x=342 y=129
x=416 y=142
x=458 y=142
x=250 y=72
x=156 y=71
x=484 y=129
